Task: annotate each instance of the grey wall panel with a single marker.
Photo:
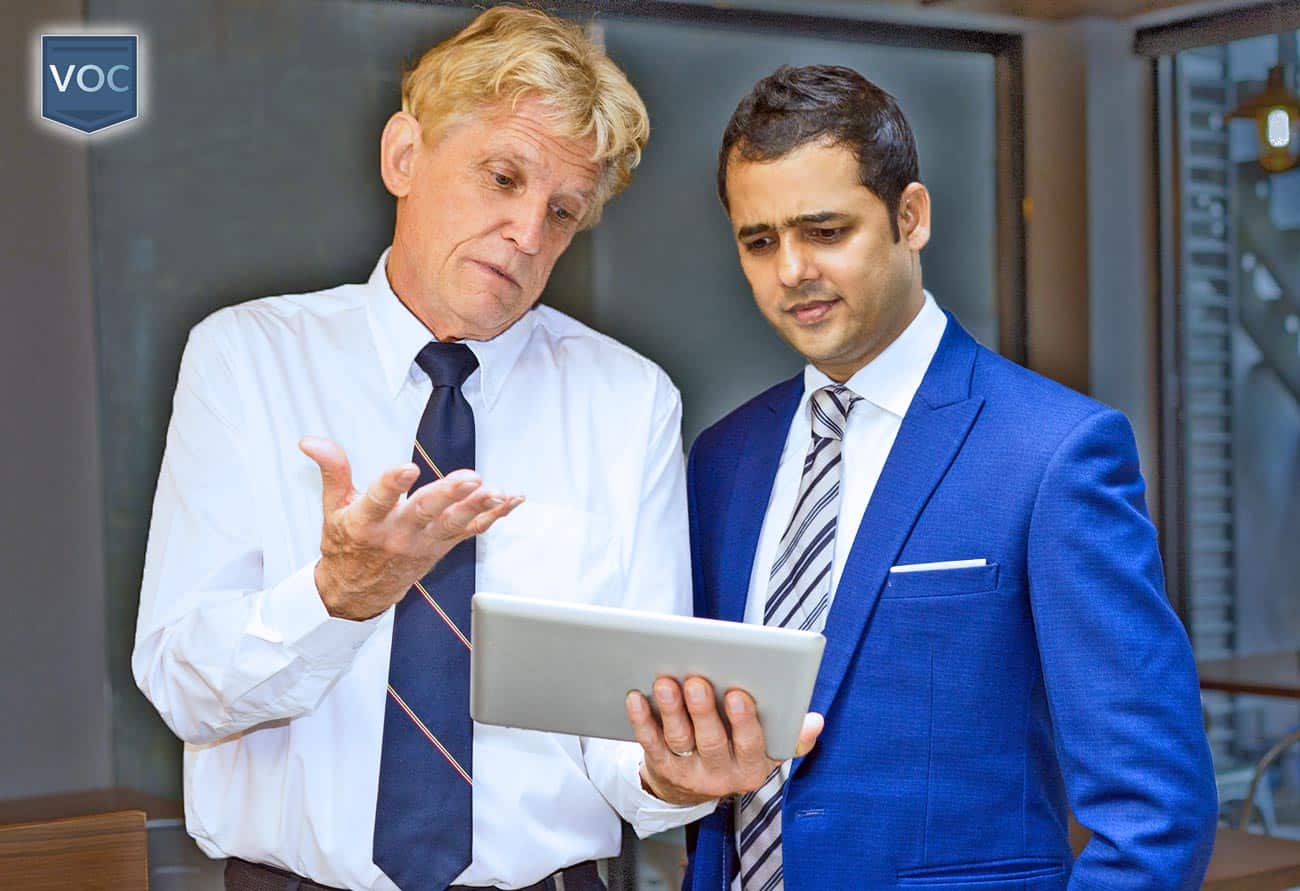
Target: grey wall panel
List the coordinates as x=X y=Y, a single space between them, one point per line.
x=53 y=696
x=667 y=278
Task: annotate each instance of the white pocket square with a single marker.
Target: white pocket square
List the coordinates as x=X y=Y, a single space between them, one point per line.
x=945 y=564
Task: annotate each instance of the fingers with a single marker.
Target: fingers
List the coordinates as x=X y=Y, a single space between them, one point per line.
x=812 y=728
x=483 y=522
x=747 y=739
x=458 y=506
x=710 y=733
x=428 y=502
x=679 y=735
x=476 y=514
x=383 y=494
x=335 y=472
x=646 y=729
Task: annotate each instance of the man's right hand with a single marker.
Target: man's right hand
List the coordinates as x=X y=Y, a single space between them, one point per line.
x=374 y=546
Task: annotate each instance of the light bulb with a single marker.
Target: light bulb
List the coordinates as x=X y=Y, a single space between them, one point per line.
x=1278 y=128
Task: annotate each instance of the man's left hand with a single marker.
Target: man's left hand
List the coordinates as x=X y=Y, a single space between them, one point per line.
x=690 y=758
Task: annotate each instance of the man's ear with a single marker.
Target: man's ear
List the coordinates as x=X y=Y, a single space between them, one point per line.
x=914 y=216
x=397 y=147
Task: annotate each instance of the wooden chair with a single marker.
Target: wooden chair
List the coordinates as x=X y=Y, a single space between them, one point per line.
x=1259 y=788
x=103 y=851
x=1237 y=785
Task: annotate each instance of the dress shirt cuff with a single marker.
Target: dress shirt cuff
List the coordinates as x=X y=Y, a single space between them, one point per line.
x=293 y=613
x=651 y=814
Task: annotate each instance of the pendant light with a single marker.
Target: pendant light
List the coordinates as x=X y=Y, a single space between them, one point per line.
x=1276 y=112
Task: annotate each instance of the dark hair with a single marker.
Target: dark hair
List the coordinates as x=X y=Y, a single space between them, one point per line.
x=792 y=107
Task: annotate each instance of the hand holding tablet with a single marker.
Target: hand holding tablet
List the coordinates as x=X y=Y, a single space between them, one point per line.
x=569 y=668
x=692 y=755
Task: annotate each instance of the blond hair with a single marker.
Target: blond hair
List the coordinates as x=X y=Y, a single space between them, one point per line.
x=508 y=53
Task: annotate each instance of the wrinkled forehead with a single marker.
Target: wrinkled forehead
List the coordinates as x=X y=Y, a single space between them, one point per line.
x=532 y=136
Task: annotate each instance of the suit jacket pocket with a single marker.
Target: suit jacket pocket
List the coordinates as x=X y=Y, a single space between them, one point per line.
x=982 y=872
x=942 y=582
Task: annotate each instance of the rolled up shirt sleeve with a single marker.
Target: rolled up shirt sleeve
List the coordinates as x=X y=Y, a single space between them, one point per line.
x=619 y=764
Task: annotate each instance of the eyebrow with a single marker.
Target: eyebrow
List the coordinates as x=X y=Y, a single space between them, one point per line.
x=821 y=216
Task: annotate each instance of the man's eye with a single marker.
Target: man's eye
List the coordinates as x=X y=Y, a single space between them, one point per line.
x=758 y=244
x=827 y=234
x=563 y=215
x=502 y=180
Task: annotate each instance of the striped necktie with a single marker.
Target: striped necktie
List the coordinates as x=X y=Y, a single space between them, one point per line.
x=424 y=808
x=799 y=592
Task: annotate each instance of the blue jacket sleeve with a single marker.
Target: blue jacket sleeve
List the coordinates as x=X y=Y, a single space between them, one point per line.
x=1118 y=669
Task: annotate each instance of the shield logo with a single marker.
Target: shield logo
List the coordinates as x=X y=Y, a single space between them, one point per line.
x=89 y=80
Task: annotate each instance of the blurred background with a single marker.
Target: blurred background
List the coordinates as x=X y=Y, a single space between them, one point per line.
x=1101 y=214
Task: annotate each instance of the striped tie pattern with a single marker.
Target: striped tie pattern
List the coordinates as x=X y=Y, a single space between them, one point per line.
x=424 y=806
x=799 y=592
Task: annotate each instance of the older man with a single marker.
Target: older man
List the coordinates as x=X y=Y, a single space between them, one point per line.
x=308 y=641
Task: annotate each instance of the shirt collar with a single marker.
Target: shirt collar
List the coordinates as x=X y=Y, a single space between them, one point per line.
x=399 y=336
x=890 y=380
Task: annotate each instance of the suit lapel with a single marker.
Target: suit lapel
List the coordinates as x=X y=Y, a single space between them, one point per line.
x=755 y=474
x=931 y=435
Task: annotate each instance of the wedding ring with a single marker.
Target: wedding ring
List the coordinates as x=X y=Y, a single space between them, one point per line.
x=688 y=753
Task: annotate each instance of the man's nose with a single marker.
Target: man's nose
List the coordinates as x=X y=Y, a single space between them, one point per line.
x=527 y=226
x=794 y=266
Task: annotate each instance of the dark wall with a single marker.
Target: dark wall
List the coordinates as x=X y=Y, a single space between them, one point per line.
x=53 y=697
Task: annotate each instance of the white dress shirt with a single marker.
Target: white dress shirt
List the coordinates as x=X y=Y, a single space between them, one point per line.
x=281 y=706
x=887 y=385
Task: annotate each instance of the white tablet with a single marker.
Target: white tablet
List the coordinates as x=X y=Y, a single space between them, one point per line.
x=567 y=668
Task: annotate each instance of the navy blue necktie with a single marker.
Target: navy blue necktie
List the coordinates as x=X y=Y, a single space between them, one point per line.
x=424 y=809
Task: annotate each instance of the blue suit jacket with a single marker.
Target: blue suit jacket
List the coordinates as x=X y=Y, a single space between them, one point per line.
x=968 y=710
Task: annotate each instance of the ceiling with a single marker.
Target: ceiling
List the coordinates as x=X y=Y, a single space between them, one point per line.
x=1068 y=9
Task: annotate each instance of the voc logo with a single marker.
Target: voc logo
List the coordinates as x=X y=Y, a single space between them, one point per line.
x=89 y=81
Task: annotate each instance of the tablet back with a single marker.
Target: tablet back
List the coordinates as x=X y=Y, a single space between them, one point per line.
x=567 y=668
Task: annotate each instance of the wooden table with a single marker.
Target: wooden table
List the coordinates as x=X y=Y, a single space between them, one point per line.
x=93 y=839
x=102 y=851
x=1265 y=674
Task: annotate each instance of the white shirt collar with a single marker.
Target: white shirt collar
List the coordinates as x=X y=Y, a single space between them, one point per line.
x=890 y=380
x=399 y=336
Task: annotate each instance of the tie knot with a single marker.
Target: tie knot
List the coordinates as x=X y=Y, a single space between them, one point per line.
x=830 y=409
x=447 y=364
